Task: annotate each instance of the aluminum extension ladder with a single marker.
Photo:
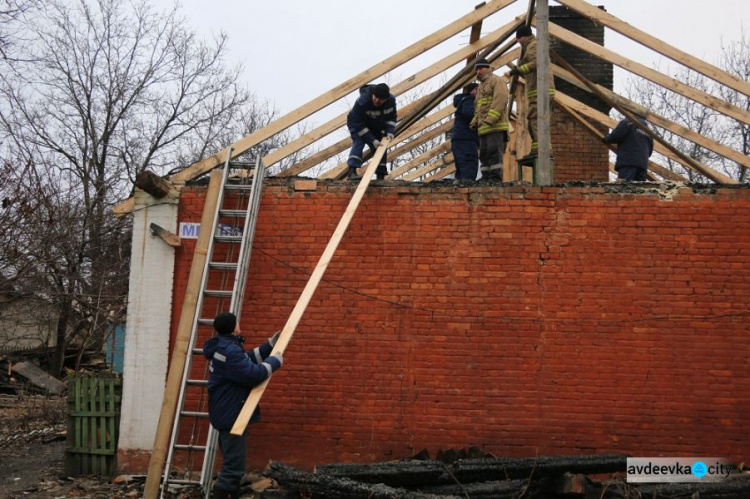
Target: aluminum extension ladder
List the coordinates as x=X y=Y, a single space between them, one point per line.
x=228 y=259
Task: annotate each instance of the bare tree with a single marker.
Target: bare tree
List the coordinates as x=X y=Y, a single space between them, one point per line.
x=107 y=89
x=699 y=118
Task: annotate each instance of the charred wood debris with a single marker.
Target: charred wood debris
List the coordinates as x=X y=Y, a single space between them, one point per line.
x=471 y=473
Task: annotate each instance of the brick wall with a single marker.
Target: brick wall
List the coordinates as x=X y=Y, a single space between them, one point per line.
x=521 y=320
x=578 y=155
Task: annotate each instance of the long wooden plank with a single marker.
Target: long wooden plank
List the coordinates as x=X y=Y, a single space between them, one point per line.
x=601 y=17
x=476 y=31
x=661 y=121
x=422 y=158
x=312 y=284
x=447 y=170
x=605 y=120
x=430 y=167
x=653 y=167
x=181 y=348
x=652 y=75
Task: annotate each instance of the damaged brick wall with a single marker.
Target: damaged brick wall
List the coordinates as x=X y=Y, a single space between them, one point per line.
x=521 y=320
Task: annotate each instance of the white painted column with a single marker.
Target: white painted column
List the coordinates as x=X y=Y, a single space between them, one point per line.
x=148 y=323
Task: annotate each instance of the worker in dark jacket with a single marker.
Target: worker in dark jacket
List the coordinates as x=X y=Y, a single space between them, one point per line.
x=234 y=372
x=634 y=147
x=372 y=118
x=464 y=139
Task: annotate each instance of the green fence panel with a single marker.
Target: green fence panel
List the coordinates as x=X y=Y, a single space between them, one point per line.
x=93 y=422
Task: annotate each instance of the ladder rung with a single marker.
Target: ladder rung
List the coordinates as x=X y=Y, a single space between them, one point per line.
x=197 y=351
x=218 y=293
x=238 y=187
x=233 y=213
x=194 y=414
x=198 y=382
x=182 y=481
x=190 y=447
x=205 y=322
x=223 y=265
x=242 y=164
x=228 y=239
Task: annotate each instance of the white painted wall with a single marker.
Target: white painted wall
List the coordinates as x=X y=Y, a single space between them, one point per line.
x=148 y=323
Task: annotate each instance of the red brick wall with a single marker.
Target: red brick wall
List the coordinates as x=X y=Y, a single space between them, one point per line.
x=521 y=320
x=578 y=155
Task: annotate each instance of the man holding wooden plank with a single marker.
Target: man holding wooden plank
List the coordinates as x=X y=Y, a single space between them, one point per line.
x=234 y=372
x=372 y=118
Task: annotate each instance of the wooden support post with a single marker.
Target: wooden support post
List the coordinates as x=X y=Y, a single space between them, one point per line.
x=182 y=342
x=543 y=76
x=312 y=284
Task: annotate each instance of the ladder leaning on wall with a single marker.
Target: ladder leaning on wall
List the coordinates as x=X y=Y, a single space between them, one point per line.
x=223 y=280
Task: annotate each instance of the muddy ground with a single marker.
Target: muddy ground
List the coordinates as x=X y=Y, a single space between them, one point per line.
x=32 y=456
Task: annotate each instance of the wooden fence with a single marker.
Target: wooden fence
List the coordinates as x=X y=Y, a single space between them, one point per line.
x=93 y=423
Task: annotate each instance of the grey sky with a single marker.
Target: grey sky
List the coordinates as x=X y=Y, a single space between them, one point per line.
x=295 y=50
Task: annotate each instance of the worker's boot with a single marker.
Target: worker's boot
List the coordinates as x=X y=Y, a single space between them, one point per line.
x=218 y=493
x=353 y=174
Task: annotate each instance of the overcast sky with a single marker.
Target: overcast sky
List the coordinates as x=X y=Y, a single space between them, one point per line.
x=295 y=50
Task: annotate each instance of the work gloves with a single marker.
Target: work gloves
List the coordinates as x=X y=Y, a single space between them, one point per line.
x=376 y=143
x=273 y=339
x=514 y=72
x=274 y=361
x=389 y=136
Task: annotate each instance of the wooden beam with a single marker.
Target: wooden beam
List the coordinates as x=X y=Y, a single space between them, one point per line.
x=476 y=30
x=429 y=167
x=658 y=120
x=600 y=16
x=421 y=139
x=312 y=284
x=153 y=184
x=652 y=75
x=543 y=80
x=165 y=235
x=717 y=177
x=182 y=341
x=422 y=158
x=605 y=120
x=243 y=145
x=444 y=172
